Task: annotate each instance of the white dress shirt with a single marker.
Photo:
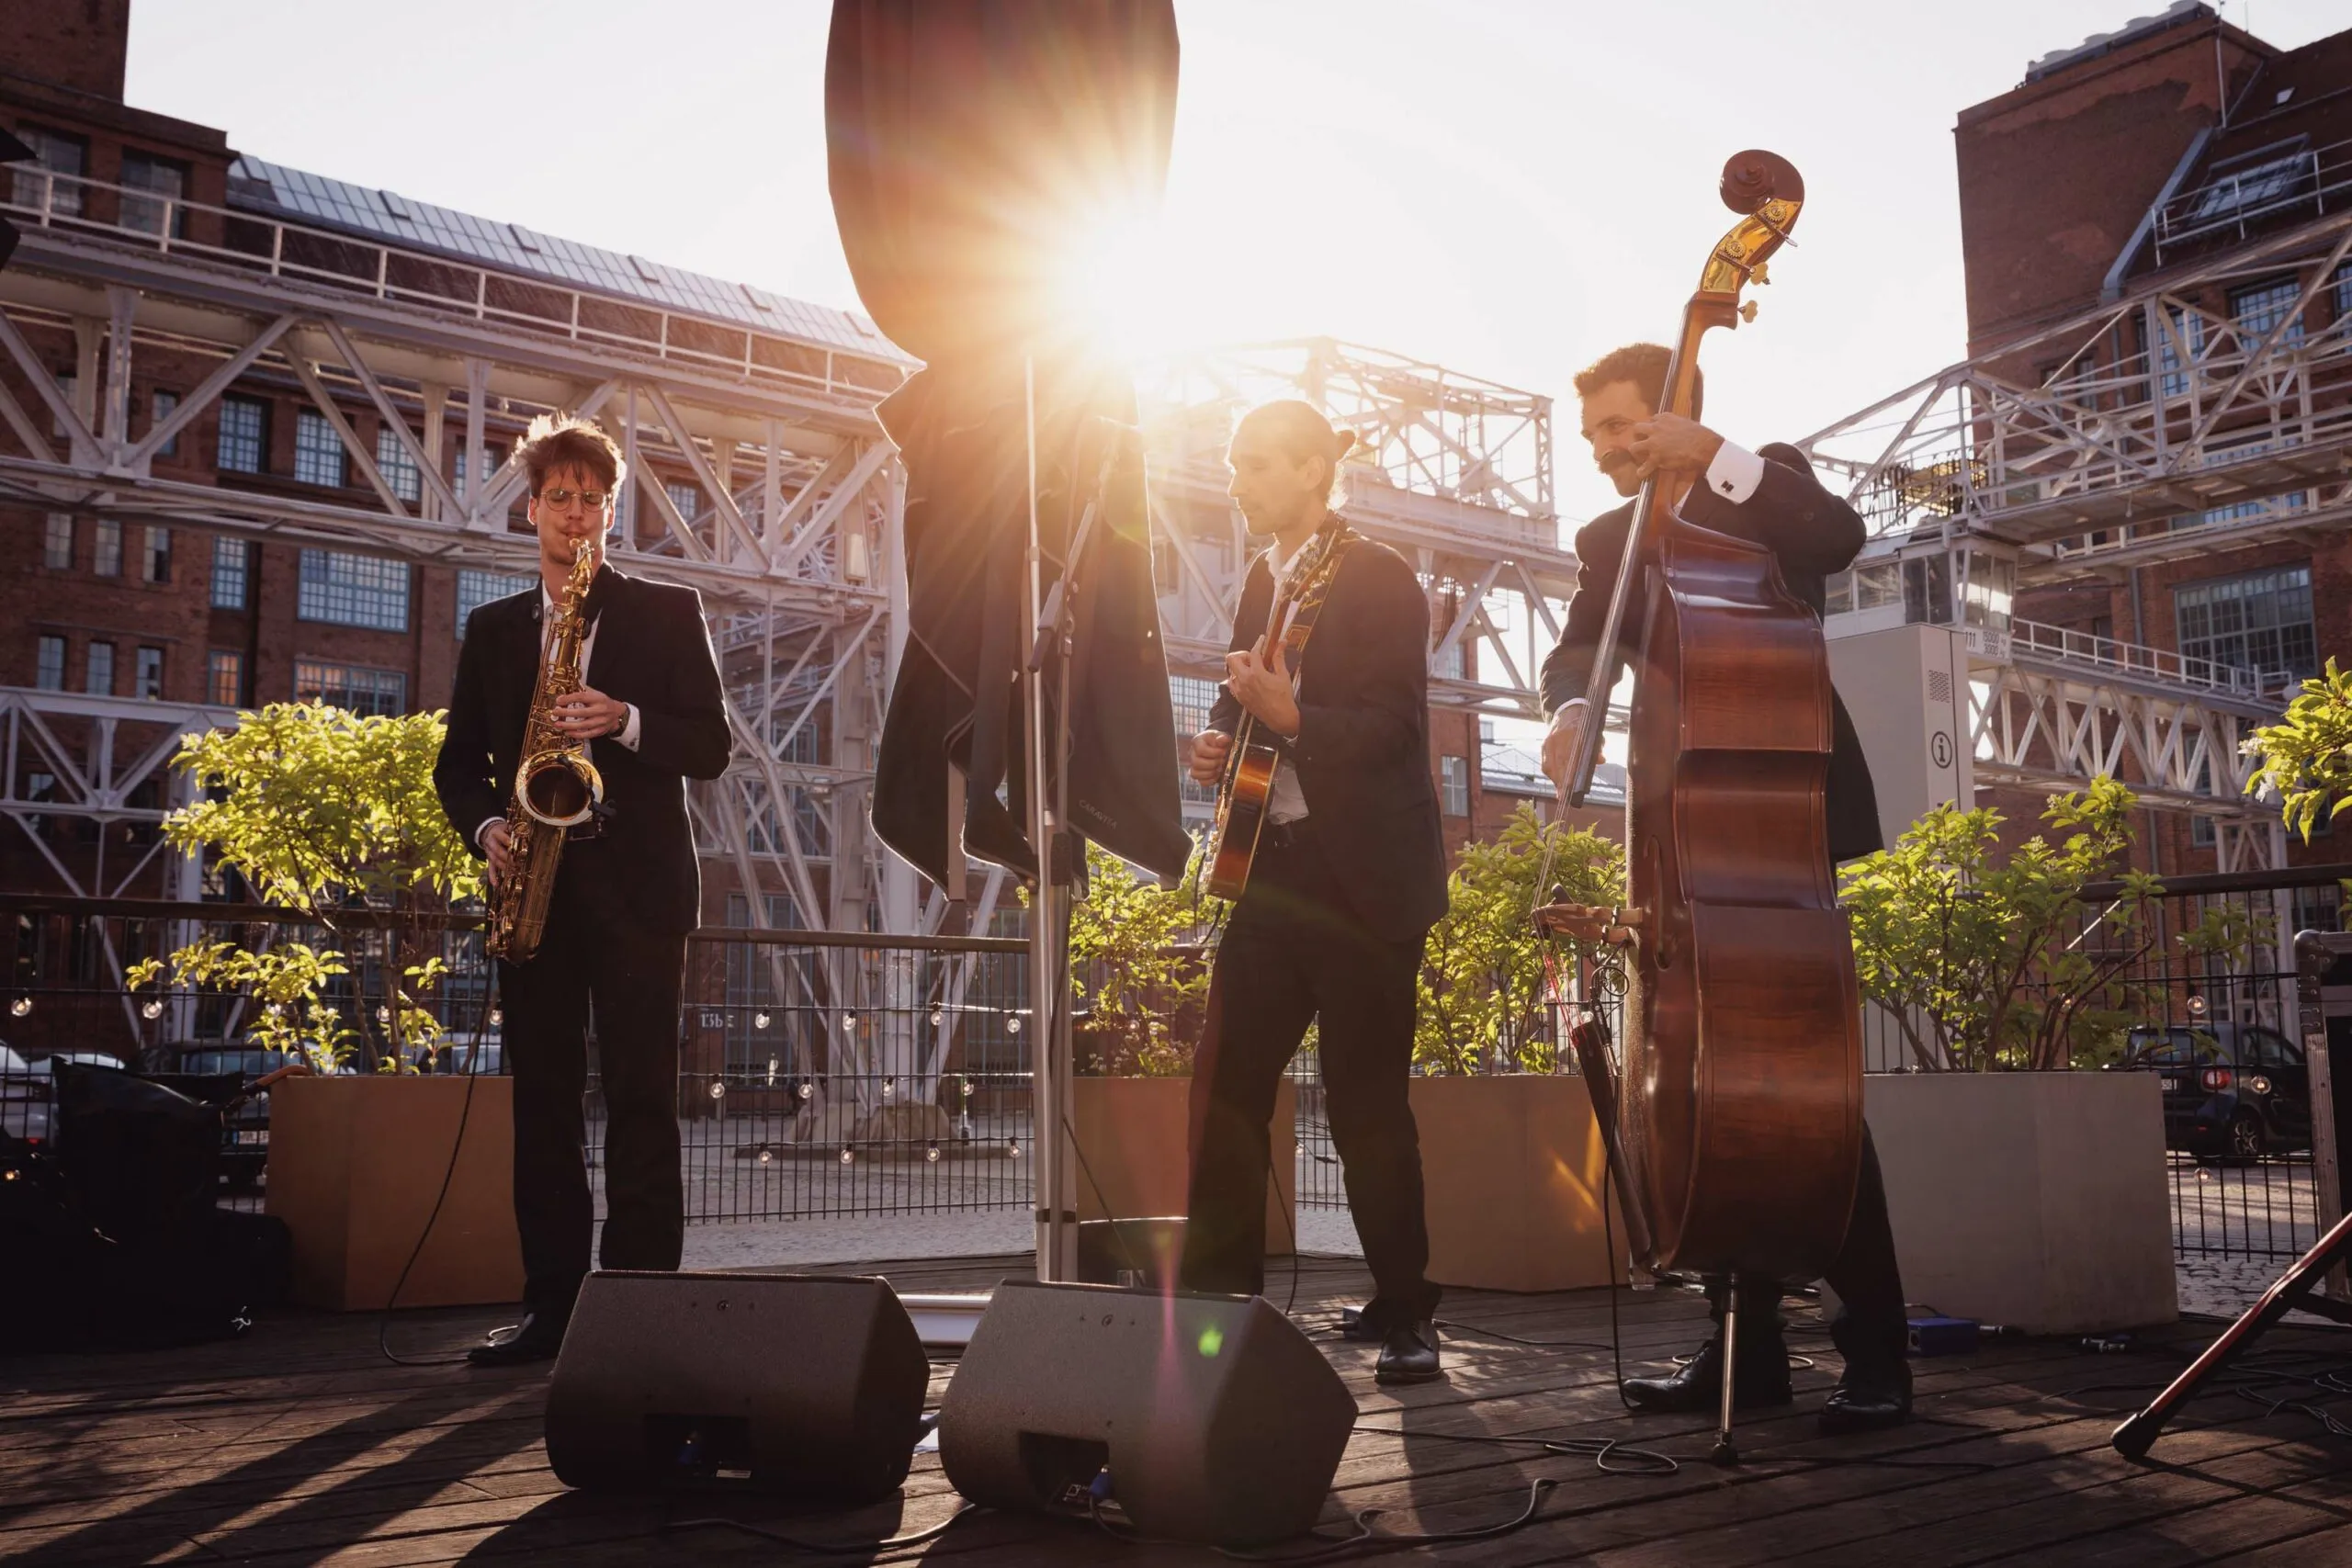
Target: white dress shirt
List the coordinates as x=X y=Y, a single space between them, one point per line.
x=1733 y=475
x=629 y=733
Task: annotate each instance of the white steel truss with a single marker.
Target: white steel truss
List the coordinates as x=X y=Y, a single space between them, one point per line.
x=2152 y=428
x=793 y=547
x=2144 y=430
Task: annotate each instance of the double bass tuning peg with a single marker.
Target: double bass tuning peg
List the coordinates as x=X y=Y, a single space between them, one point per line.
x=1760 y=273
x=1748 y=310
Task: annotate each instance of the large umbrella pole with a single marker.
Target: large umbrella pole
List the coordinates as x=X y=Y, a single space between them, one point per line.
x=1056 y=1180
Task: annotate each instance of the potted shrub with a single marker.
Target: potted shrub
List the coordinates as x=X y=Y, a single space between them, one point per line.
x=1141 y=981
x=2021 y=1192
x=1511 y=1156
x=333 y=816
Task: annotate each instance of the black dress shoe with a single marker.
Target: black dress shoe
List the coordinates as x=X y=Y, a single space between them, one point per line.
x=1868 y=1399
x=1408 y=1354
x=1760 y=1381
x=532 y=1339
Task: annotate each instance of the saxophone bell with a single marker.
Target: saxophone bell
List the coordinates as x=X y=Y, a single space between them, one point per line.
x=560 y=789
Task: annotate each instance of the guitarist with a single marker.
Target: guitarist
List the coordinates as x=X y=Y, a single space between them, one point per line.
x=1349 y=877
x=1769 y=497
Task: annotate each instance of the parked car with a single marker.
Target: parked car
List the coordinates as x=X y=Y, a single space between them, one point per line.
x=2230 y=1090
x=24 y=1098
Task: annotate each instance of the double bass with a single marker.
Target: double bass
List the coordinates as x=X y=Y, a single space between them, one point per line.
x=1735 y=1129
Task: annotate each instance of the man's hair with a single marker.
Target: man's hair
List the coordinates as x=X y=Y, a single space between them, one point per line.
x=564 y=441
x=1300 y=432
x=1643 y=364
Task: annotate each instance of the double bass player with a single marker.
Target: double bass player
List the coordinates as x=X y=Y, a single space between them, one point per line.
x=1769 y=497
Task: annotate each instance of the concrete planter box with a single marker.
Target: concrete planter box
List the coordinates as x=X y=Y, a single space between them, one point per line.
x=1136 y=1135
x=354 y=1165
x=1512 y=1167
x=2033 y=1200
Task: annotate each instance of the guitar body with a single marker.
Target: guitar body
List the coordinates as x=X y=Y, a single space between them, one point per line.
x=1246 y=792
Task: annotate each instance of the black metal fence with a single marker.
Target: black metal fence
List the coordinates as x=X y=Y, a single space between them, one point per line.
x=824 y=1074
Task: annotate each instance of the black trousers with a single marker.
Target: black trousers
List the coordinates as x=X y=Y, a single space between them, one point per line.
x=1870 y=1327
x=594 y=952
x=1294 y=955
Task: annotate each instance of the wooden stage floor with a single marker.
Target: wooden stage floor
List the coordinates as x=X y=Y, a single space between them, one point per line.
x=301 y=1444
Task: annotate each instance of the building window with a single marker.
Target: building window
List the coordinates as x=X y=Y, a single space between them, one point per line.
x=318 y=450
x=2261 y=621
x=490 y=463
x=1453 y=786
x=1450 y=663
x=2201 y=832
x=245 y=435
x=147 y=676
x=2250 y=183
x=2185 y=327
x=399 y=469
x=2343 y=290
x=363 y=690
x=54 y=154
x=57 y=542
x=2318 y=909
x=49 y=671
x=106 y=559
x=155 y=561
x=164 y=405
x=2263 y=307
x=476 y=588
x=688 y=499
x=224 y=678
x=354 y=591
x=230 y=573
x=97 y=676
x=165 y=185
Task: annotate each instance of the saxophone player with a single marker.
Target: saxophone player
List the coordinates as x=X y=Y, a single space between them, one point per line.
x=627 y=889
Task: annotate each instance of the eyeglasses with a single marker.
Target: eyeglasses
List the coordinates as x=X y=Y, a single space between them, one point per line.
x=593 y=499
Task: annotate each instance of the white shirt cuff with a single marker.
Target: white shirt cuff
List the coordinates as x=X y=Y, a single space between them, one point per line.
x=628 y=735
x=1735 y=473
x=1571 y=703
x=484 y=828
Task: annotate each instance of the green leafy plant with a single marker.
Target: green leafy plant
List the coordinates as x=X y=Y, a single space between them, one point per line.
x=1482 y=983
x=1136 y=969
x=325 y=811
x=2307 y=755
x=1985 y=961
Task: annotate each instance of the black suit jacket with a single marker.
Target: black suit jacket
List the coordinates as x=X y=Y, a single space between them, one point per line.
x=1362 y=753
x=652 y=650
x=1811 y=533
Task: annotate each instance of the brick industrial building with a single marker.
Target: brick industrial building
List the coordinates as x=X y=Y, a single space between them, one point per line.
x=2130 y=504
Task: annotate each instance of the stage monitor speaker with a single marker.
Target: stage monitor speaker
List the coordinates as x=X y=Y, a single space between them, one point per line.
x=799 y=1385
x=1215 y=1417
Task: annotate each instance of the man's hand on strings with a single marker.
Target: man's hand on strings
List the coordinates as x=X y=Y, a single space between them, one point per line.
x=1260 y=682
x=1210 y=749
x=1671 y=444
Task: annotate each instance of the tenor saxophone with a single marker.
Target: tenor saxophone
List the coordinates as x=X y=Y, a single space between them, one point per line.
x=556 y=786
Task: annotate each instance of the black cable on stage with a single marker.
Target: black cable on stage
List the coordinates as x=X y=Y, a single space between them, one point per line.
x=449 y=1174
x=823 y=1549
x=1365 y=1540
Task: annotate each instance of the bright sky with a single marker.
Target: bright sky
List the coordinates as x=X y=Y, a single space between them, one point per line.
x=1509 y=187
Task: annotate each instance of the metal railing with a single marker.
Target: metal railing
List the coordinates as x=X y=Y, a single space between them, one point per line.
x=2064 y=645
x=824 y=1074
x=2285 y=183
x=320 y=257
